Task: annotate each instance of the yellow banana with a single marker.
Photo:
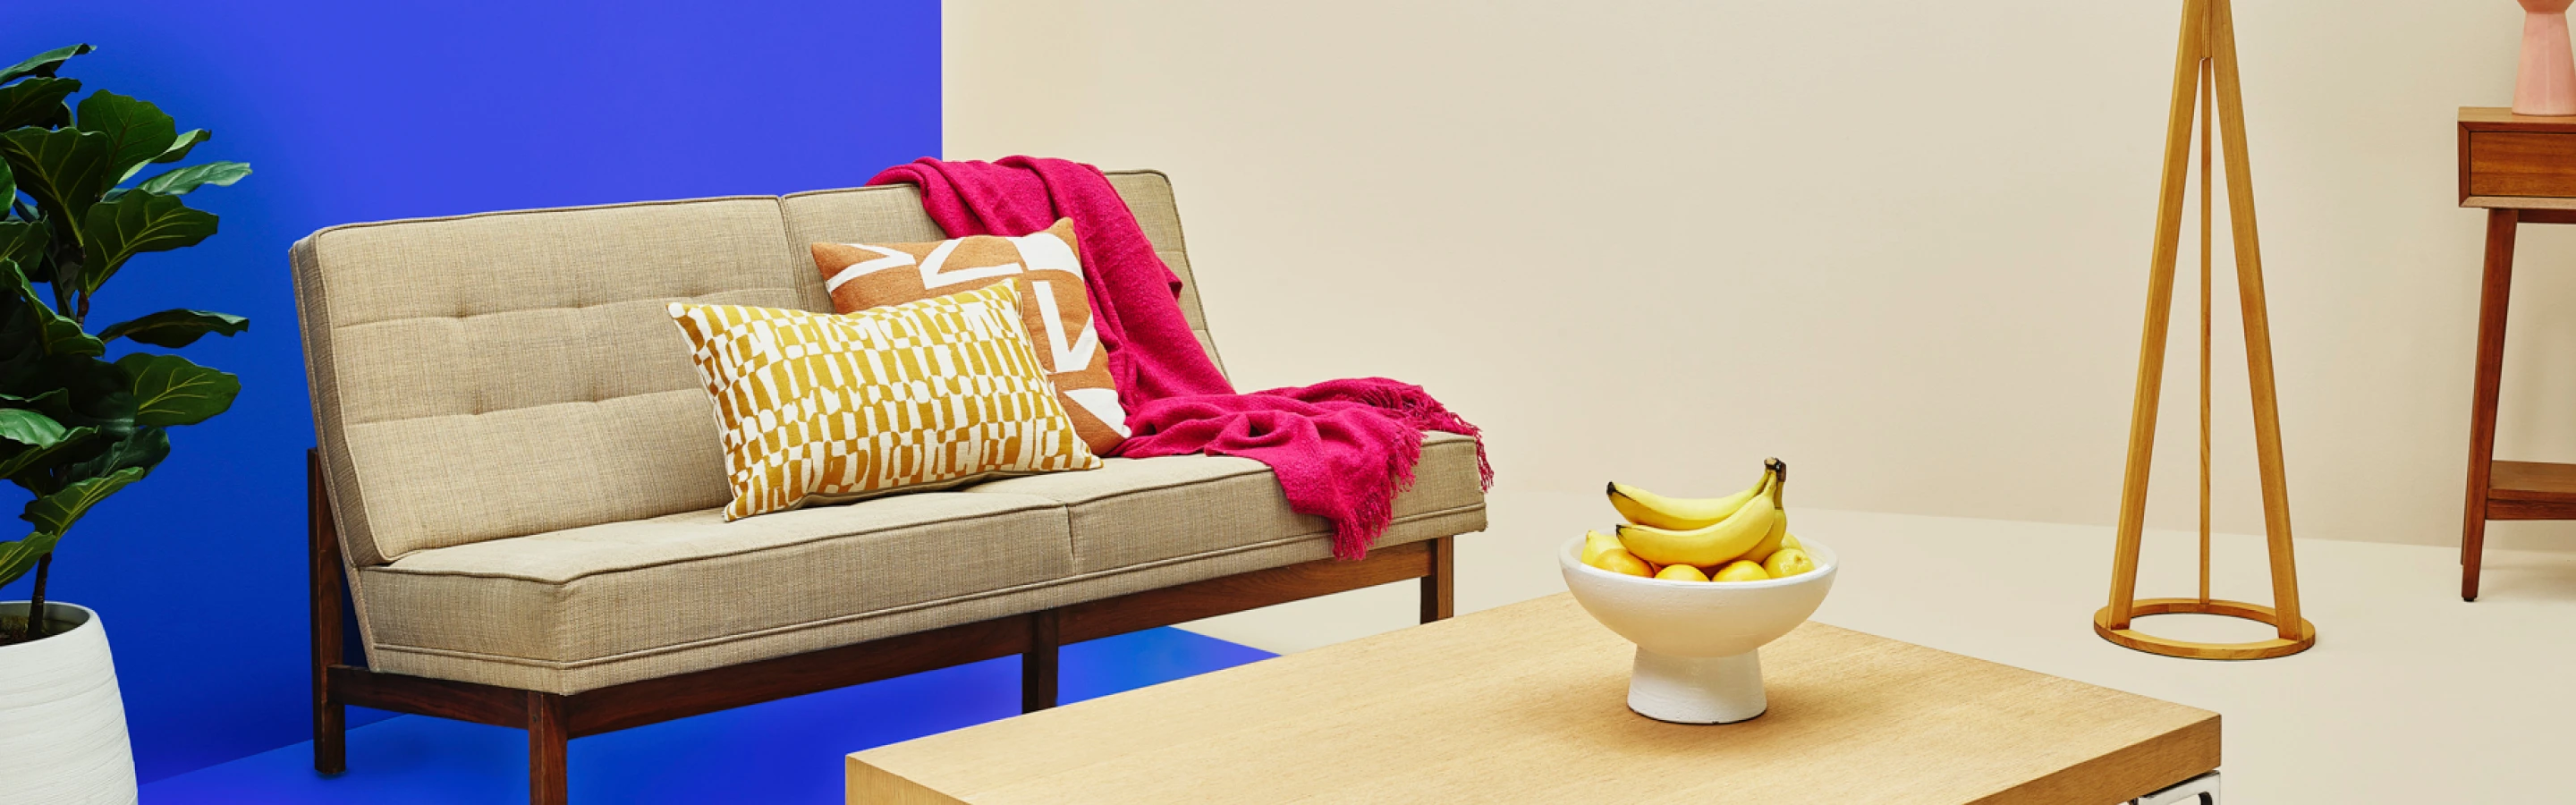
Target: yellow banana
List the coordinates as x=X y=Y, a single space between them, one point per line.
x=1679 y=514
x=1714 y=545
x=1780 y=525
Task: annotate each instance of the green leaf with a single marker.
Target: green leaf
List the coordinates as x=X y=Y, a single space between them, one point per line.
x=28 y=244
x=98 y=394
x=37 y=102
x=139 y=131
x=144 y=450
x=8 y=186
x=37 y=402
x=53 y=514
x=39 y=459
x=43 y=64
x=175 y=328
x=171 y=390
x=56 y=512
x=64 y=169
x=20 y=356
x=64 y=338
x=178 y=181
x=19 y=556
x=188 y=141
x=29 y=428
x=117 y=230
x=57 y=335
x=179 y=148
x=24 y=243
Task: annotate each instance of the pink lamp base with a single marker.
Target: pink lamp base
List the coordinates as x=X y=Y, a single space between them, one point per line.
x=2547 y=84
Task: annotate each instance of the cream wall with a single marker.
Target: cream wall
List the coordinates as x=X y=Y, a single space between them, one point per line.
x=1902 y=245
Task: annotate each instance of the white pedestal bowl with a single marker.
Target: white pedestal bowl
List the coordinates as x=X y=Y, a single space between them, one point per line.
x=1698 y=643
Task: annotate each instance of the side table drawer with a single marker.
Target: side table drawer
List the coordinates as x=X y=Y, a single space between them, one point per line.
x=2517 y=163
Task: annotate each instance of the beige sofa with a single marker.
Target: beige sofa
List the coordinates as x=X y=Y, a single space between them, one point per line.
x=518 y=480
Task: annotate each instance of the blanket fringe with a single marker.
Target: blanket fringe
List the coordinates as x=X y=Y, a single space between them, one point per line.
x=1417 y=409
x=1353 y=537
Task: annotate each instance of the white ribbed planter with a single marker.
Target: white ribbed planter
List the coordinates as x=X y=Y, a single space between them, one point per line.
x=62 y=725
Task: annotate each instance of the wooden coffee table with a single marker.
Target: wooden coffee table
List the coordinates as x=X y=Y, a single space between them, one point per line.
x=1527 y=703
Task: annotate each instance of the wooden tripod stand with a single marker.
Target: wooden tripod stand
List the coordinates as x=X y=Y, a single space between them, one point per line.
x=2206 y=88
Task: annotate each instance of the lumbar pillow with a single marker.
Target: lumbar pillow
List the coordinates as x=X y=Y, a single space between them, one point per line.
x=819 y=408
x=1054 y=306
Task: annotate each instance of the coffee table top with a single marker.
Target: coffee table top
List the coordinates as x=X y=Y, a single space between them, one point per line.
x=1528 y=703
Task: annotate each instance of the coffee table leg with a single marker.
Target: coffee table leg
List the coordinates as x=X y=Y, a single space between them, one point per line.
x=2201 y=790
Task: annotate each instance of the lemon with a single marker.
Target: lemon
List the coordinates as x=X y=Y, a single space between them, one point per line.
x=1789 y=541
x=1619 y=560
x=1681 y=573
x=1741 y=570
x=1788 y=562
x=1596 y=543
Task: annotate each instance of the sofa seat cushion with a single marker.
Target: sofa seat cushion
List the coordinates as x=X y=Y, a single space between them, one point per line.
x=1135 y=511
x=563 y=600
x=586 y=608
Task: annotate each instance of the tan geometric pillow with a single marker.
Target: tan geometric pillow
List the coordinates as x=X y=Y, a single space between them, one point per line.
x=1055 y=309
x=818 y=408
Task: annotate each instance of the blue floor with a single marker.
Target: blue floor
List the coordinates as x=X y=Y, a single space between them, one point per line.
x=787 y=751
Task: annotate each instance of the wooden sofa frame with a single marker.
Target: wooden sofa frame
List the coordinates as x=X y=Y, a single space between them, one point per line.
x=553 y=720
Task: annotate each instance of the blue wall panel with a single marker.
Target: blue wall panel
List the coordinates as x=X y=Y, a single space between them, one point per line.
x=357 y=111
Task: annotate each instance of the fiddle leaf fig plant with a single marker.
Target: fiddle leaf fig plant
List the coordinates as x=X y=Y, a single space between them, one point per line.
x=83 y=200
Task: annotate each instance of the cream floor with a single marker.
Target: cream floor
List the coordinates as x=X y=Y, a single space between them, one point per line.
x=2409 y=696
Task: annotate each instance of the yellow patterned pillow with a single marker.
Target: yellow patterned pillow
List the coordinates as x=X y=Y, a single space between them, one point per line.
x=822 y=408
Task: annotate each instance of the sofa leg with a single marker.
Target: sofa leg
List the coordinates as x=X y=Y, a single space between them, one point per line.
x=1440 y=588
x=330 y=718
x=330 y=738
x=549 y=738
x=1038 y=663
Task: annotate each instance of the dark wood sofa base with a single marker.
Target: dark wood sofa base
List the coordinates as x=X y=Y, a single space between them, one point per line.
x=553 y=720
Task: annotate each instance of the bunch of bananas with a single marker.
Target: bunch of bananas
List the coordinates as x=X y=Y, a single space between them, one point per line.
x=1741 y=537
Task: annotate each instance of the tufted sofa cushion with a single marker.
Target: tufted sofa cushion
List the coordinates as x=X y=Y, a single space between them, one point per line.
x=494 y=375
x=585 y=608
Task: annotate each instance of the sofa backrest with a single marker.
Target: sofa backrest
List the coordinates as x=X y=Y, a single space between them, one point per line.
x=487 y=376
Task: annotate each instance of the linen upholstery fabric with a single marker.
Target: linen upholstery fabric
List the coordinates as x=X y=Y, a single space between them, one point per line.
x=818 y=408
x=495 y=375
x=587 y=608
x=1139 y=510
x=545 y=605
x=585 y=546
x=1055 y=307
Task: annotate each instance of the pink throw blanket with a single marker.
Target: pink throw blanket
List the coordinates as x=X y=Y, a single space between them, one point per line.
x=1341 y=449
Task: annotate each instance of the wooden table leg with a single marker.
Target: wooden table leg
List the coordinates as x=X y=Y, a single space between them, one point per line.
x=2493 y=294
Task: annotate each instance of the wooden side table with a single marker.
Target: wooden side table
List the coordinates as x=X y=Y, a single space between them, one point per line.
x=2521 y=170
